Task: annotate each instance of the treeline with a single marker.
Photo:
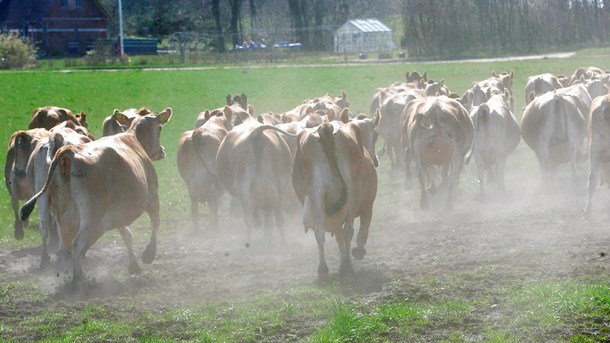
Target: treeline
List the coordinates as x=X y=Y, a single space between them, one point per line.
x=424 y=28
x=462 y=28
x=227 y=23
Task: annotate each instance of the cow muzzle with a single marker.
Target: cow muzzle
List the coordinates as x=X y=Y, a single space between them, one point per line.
x=159 y=155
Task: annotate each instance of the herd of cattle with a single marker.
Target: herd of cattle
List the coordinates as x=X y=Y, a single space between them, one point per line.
x=317 y=157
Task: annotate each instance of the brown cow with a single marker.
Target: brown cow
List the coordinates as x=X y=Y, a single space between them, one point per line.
x=21 y=145
x=238 y=105
x=38 y=165
x=440 y=133
x=599 y=143
x=111 y=127
x=540 y=84
x=48 y=116
x=256 y=167
x=389 y=127
x=106 y=184
x=335 y=180
x=197 y=164
x=554 y=128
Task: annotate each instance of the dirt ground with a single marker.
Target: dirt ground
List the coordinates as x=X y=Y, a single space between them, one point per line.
x=527 y=235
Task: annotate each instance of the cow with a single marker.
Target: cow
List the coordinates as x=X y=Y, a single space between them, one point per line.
x=554 y=128
x=256 y=165
x=106 y=184
x=38 y=164
x=111 y=127
x=599 y=144
x=197 y=164
x=540 y=84
x=389 y=127
x=440 y=133
x=48 y=116
x=587 y=73
x=434 y=88
x=335 y=180
x=21 y=145
x=238 y=104
x=497 y=134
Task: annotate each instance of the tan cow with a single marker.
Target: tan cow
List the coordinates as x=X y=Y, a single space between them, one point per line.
x=238 y=104
x=440 y=133
x=111 y=126
x=599 y=144
x=554 y=128
x=21 y=145
x=197 y=164
x=389 y=127
x=37 y=168
x=540 y=84
x=497 y=134
x=256 y=166
x=106 y=184
x=335 y=180
x=48 y=116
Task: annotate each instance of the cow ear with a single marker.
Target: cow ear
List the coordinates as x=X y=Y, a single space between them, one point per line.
x=330 y=114
x=250 y=110
x=207 y=115
x=425 y=76
x=345 y=116
x=377 y=118
x=493 y=73
x=512 y=74
x=532 y=95
x=442 y=82
x=165 y=116
x=120 y=118
x=227 y=113
x=260 y=119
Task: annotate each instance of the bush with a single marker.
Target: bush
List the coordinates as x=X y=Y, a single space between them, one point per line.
x=15 y=52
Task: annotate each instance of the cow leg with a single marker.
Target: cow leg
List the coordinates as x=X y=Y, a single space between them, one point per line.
x=408 y=174
x=500 y=166
x=481 y=175
x=594 y=164
x=279 y=222
x=19 y=224
x=424 y=203
x=363 y=233
x=344 y=239
x=213 y=207
x=133 y=267
x=195 y=212
x=148 y=256
x=322 y=267
x=79 y=247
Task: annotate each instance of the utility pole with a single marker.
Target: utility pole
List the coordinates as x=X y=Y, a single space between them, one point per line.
x=121 y=49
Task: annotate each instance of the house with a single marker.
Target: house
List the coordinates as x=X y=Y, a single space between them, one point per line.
x=362 y=36
x=56 y=27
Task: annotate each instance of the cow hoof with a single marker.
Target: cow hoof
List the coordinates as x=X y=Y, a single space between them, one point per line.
x=148 y=256
x=134 y=268
x=358 y=252
x=45 y=260
x=19 y=233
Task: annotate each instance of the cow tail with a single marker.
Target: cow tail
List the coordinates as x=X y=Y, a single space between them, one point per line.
x=28 y=207
x=328 y=147
x=196 y=142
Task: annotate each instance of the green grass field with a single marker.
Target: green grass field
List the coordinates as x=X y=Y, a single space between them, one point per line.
x=323 y=314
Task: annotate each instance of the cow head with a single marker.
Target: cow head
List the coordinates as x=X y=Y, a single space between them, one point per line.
x=147 y=130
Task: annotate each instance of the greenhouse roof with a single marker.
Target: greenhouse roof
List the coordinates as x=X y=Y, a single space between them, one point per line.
x=369 y=25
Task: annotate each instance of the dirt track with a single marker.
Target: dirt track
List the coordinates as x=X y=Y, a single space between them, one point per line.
x=525 y=236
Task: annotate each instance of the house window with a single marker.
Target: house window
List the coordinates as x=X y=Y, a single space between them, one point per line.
x=64 y=3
